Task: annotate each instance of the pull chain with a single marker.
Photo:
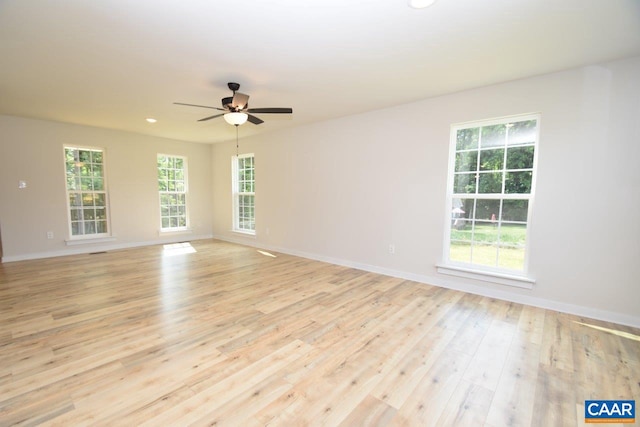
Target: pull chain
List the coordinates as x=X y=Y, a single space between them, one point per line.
x=237 y=149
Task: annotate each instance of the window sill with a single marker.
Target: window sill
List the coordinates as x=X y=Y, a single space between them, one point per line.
x=245 y=233
x=175 y=231
x=89 y=241
x=487 y=276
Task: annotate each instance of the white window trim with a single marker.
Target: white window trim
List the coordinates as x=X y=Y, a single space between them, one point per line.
x=487 y=276
x=520 y=279
x=89 y=241
x=235 y=194
x=87 y=238
x=176 y=230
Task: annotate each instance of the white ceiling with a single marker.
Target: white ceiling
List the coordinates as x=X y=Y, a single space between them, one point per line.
x=112 y=63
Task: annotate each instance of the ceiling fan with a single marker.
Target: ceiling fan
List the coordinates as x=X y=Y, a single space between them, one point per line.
x=236 y=108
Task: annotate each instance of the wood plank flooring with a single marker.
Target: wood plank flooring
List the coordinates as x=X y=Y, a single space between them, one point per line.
x=228 y=336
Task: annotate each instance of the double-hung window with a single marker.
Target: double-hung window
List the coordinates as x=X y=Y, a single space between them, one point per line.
x=490 y=193
x=86 y=192
x=172 y=186
x=243 y=182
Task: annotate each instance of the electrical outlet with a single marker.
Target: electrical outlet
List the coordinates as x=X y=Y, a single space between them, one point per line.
x=49 y=235
x=392 y=249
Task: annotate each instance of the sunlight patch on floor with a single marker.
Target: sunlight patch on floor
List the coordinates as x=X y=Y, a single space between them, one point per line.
x=172 y=249
x=265 y=253
x=622 y=334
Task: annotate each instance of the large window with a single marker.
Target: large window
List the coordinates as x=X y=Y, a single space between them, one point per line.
x=491 y=186
x=86 y=192
x=243 y=182
x=172 y=186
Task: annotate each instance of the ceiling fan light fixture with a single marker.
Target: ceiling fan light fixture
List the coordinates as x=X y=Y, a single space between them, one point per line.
x=421 y=4
x=236 y=118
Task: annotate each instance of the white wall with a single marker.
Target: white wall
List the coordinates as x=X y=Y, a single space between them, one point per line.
x=32 y=150
x=345 y=189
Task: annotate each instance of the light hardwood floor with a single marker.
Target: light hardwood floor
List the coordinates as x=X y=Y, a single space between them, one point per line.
x=229 y=336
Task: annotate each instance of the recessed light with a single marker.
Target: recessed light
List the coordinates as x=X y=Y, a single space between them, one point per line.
x=151 y=120
x=421 y=4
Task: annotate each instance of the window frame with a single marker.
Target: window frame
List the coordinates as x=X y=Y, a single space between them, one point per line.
x=236 y=194
x=496 y=274
x=184 y=193
x=69 y=192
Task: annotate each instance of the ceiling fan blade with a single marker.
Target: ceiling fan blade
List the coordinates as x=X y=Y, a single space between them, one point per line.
x=201 y=106
x=240 y=100
x=271 y=110
x=211 y=117
x=255 y=120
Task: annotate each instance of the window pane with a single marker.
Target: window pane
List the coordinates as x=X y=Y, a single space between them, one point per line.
x=511 y=258
x=89 y=227
x=520 y=157
x=84 y=156
x=467 y=161
x=484 y=254
x=513 y=234
x=463 y=234
x=487 y=209
x=492 y=159
x=97 y=157
x=75 y=199
x=76 y=228
x=72 y=183
x=467 y=138
x=490 y=183
x=86 y=184
x=485 y=232
x=493 y=136
x=87 y=199
x=459 y=215
x=523 y=132
x=98 y=184
x=99 y=199
x=101 y=226
x=518 y=182
x=101 y=213
x=460 y=251
x=89 y=214
x=464 y=183
x=515 y=210
x=76 y=214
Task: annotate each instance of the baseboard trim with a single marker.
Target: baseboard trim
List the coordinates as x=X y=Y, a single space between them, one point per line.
x=100 y=247
x=578 y=310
